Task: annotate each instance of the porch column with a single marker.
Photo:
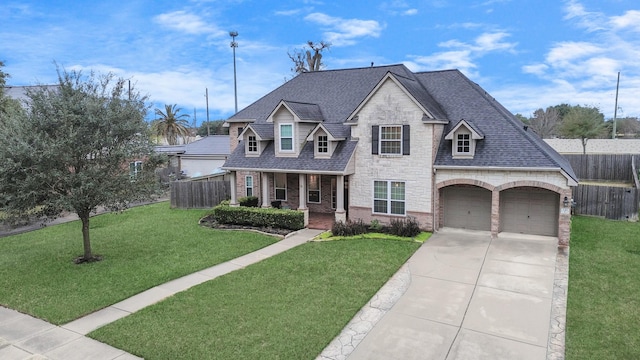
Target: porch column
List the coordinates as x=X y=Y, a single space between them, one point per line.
x=264 y=183
x=341 y=214
x=302 y=195
x=495 y=213
x=234 y=189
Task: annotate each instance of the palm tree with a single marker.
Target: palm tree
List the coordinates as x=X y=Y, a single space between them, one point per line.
x=170 y=125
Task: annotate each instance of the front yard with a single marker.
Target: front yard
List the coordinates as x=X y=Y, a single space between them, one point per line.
x=603 y=311
x=142 y=247
x=289 y=306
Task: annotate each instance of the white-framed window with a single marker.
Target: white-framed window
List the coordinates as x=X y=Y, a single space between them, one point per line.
x=135 y=167
x=389 y=197
x=323 y=144
x=280 y=184
x=391 y=140
x=248 y=184
x=313 y=188
x=252 y=144
x=463 y=143
x=286 y=137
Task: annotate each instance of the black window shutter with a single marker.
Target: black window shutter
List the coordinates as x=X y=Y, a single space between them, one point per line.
x=374 y=139
x=405 y=140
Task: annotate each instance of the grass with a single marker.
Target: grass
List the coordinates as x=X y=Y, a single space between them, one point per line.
x=289 y=306
x=422 y=237
x=603 y=310
x=142 y=247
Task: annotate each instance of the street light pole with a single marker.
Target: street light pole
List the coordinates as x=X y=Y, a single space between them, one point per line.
x=234 y=45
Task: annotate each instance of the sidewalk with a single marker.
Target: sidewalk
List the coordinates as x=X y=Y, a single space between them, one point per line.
x=23 y=337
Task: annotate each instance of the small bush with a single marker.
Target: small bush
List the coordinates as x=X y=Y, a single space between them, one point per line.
x=248 y=201
x=407 y=227
x=350 y=228
x=258 y=217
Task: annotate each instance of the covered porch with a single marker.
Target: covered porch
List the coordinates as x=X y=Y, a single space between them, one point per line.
x=323 y=198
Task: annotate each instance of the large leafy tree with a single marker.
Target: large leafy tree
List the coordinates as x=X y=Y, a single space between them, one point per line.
x=171 y=125
x=214 y=127
x=584 y=123
x=70 y=150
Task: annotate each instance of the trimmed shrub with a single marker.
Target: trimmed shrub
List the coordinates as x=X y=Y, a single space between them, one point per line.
x=407 y=227
x=248 y=201
x=350 y=228
x=258 y=217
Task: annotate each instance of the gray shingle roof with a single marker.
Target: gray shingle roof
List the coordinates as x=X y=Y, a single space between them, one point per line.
x=506 y=143
x=209 y=145
x=304 y=111
x=447 y=95
x=267 y=161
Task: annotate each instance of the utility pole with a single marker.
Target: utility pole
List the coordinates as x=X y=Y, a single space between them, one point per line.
x=234 y=45
x=206 y=95
x=615 y=111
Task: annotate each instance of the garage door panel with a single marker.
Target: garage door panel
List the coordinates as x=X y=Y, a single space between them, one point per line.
x=529 y=211
x=467 y=208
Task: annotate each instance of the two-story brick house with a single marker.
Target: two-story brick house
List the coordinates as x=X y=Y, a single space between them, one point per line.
x=384 y=142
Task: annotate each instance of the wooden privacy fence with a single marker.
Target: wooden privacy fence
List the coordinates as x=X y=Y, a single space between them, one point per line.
x=616 y=167
x=611 y=202
x=199 y=194
x=617 y=203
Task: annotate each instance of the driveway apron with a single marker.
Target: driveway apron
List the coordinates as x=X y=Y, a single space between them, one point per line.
x=470 y=297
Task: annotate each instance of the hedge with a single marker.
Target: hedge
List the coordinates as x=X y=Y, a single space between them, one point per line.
x=251 y=216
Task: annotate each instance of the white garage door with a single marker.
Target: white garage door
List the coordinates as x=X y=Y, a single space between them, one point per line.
x=467 y=207
x=529 y=211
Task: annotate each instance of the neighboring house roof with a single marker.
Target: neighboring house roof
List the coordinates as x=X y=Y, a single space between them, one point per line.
x=448 y=96
x=170 y=149
x=20 y=92
x=208 y=145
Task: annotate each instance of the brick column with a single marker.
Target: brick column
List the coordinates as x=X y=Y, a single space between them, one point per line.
x=495 y=213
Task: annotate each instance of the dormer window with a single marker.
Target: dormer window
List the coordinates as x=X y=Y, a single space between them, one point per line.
x=286 y=137
x=464 y=138
x=252 y=144
x=463 y=144
x=323 y=144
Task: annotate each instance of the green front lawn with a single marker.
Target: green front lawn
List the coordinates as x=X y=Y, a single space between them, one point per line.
x=289 y=306
x=142 y=247
x=603 y=310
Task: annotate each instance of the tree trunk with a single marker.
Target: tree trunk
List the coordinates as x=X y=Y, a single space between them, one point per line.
x=85 y=236
x=584 y=146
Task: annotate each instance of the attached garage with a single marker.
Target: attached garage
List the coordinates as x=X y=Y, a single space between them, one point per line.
x=529 y=211
x=466 y=207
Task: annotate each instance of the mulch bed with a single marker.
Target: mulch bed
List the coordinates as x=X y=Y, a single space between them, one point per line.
x=209 y=221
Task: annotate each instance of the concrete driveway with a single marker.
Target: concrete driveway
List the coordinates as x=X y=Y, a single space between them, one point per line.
x=470 y=297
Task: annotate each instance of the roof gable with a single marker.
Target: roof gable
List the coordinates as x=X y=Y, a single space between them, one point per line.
x=475 y=134
x=428 y=106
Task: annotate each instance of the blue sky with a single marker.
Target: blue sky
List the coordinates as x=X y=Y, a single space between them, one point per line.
x=526 y=53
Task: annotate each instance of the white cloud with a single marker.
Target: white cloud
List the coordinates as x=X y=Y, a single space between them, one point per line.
x=462 y=54
x=585 y=72
x=342 y=32
x=187 y=23
x=410 y=12
x=630 y=20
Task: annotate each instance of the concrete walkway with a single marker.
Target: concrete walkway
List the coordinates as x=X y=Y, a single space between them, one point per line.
x=23 y=337
x=463 y=295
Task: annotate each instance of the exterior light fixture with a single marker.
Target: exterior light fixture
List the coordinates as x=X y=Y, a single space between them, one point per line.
x=565 y=202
